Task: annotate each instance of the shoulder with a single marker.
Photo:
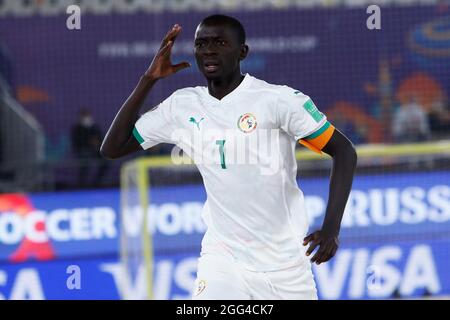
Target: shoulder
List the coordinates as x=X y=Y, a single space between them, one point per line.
x=262 y=86
x=281 y=91
x=188 y=92
x=181 y=97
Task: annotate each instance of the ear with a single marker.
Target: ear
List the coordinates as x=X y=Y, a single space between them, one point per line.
x=244 y=52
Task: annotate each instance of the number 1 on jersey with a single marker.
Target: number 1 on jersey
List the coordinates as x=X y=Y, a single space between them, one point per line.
x=221 y=143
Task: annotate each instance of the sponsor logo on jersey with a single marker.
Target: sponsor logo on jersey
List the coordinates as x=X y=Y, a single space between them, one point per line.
x=311 y=108
x=247 y=123
x=197 y=123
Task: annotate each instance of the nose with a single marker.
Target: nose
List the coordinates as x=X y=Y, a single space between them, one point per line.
x=210 y=48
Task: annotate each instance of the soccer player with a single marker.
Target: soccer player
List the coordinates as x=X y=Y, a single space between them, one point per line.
x=255 y=245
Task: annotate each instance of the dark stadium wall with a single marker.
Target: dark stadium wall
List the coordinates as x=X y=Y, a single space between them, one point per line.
x=327 y=53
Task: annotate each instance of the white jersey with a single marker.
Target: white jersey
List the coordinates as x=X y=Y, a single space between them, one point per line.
x=254 y=210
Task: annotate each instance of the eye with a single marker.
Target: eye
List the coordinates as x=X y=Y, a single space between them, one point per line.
x=199 y=44
x=221 y=42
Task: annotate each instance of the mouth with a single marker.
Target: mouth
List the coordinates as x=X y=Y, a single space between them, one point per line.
x=211 y=66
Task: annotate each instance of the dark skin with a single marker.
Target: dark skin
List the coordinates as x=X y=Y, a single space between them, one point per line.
x=218 y=47
x=344 y=164
x=218 y=53
x=119 y=141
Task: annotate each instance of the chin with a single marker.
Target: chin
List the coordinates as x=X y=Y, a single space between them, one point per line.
x=212 y=75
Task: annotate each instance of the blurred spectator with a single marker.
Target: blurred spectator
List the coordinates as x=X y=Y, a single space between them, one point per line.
x=6 y=70
x=6 y=84
x=86 y=140
x=356 y=133
x=439 y=118
x=410 y=123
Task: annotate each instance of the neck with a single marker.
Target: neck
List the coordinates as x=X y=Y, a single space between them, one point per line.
x=219 y=88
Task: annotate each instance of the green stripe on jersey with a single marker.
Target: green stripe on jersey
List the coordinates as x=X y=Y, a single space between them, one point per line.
x=138 y=136
x=318 y=132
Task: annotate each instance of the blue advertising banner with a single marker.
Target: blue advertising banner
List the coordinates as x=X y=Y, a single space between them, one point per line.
x=377 y=271
x=391 y=206
x=98 y=278
x=81 y=224
x=395 y=240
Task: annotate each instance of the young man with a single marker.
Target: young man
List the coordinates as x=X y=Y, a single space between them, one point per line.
x=255 y=220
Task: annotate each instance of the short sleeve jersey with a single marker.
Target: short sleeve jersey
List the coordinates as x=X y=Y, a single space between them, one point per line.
x=244 y=148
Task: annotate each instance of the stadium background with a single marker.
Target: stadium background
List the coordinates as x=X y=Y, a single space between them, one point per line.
x=395 y=234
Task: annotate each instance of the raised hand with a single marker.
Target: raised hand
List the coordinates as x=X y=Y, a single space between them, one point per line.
x=161 y=65
x=328 y=246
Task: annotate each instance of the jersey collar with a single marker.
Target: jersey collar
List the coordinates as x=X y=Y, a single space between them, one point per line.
x=235 y=93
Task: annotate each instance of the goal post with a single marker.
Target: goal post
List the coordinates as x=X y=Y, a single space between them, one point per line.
x=136 y=249
x=136 y=243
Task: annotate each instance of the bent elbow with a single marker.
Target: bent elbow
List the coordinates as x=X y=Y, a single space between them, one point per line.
x=107 y=154
x=353 y=155
x=346 y=154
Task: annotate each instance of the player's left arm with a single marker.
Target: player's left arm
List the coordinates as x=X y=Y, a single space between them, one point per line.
x=298 y=116
x=334 y=143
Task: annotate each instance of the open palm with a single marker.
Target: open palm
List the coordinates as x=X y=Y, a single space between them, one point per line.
x=161 y=65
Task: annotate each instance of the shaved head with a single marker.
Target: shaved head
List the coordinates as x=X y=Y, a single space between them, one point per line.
x=230 y=22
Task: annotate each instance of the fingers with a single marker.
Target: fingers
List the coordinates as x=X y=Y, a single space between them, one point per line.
x=311 y=237
x=168 y=41
x=319 y=256
x=180 y=66
x=311 y=248
x=171 y=35
x=327 y=247
x=175 y=32
x=326 y=252
x=166 y=49
x=333 y=252
x=308 y=239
